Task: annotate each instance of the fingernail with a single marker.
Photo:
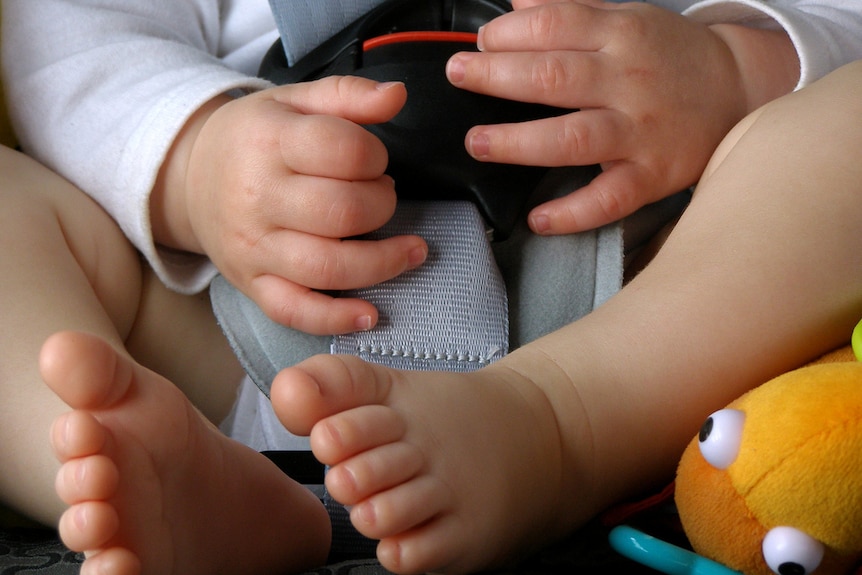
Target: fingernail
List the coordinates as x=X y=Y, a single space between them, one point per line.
x=363 y=323
x=540 y=223
x=480 y=145
x=480 y=39
x=416 y=256
x=384 y=86
x=455 y=69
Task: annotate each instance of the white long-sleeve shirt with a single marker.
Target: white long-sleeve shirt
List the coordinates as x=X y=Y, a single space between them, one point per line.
x=99 y=90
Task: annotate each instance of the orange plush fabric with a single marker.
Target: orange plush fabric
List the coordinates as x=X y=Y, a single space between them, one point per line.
x=799 y=465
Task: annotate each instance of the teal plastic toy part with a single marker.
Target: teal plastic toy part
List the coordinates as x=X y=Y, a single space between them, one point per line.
x=661 y=555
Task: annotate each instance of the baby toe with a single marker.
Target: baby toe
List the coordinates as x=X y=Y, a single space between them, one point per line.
x=77 y=434
x=93 y=478
x=401 y=508
x=116 y=561
x=374 y=471
x=346 y=434
x=88 y=526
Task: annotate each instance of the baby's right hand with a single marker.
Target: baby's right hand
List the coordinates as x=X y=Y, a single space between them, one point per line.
x=276 y=183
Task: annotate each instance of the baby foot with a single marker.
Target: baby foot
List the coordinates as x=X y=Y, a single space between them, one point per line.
x=154 y=488
x=452 y=472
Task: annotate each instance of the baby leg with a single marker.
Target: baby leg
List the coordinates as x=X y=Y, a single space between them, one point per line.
x=67 y=266
x=760 y=275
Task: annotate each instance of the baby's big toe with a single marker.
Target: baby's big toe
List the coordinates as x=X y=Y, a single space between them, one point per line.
x=324 y=385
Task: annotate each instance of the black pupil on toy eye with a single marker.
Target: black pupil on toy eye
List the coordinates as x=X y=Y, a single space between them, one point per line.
x=705 y=430
x=791 y=569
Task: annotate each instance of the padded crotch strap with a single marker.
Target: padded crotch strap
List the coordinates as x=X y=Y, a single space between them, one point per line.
x=451 y=313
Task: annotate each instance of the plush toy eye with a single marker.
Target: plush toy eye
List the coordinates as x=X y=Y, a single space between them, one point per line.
x=721 y=437
x=789 y=551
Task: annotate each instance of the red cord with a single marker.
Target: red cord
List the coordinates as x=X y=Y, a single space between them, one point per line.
x=427 y=36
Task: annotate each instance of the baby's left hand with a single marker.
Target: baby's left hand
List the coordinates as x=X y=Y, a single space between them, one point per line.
x=656 y=93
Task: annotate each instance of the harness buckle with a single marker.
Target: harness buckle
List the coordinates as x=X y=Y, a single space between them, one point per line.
x=409 y=41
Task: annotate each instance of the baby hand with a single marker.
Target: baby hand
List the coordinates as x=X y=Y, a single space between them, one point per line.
x=656 y=93
x=278 y=182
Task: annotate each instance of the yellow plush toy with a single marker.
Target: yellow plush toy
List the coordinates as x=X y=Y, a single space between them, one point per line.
x=773 y=483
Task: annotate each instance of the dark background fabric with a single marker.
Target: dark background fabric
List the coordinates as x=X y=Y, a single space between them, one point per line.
x=38 y=551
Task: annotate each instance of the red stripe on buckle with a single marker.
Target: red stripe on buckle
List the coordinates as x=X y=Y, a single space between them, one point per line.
x=426 y=36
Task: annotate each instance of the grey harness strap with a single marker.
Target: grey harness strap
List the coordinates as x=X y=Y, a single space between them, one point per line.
x=305 y=24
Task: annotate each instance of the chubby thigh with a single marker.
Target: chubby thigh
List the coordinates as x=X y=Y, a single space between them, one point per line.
x=66 y=265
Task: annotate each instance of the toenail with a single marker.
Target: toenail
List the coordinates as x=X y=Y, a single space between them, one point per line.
x=81 y=475
x=81 y=518
x=366 y=513
x=61 y=431
x=333 y=434
x=346 y=479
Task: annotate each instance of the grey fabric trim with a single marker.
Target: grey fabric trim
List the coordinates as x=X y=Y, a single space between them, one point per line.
x=554 y=280
x=263 y=347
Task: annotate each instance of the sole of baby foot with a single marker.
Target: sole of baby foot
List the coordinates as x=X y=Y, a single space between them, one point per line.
x=154 y=489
